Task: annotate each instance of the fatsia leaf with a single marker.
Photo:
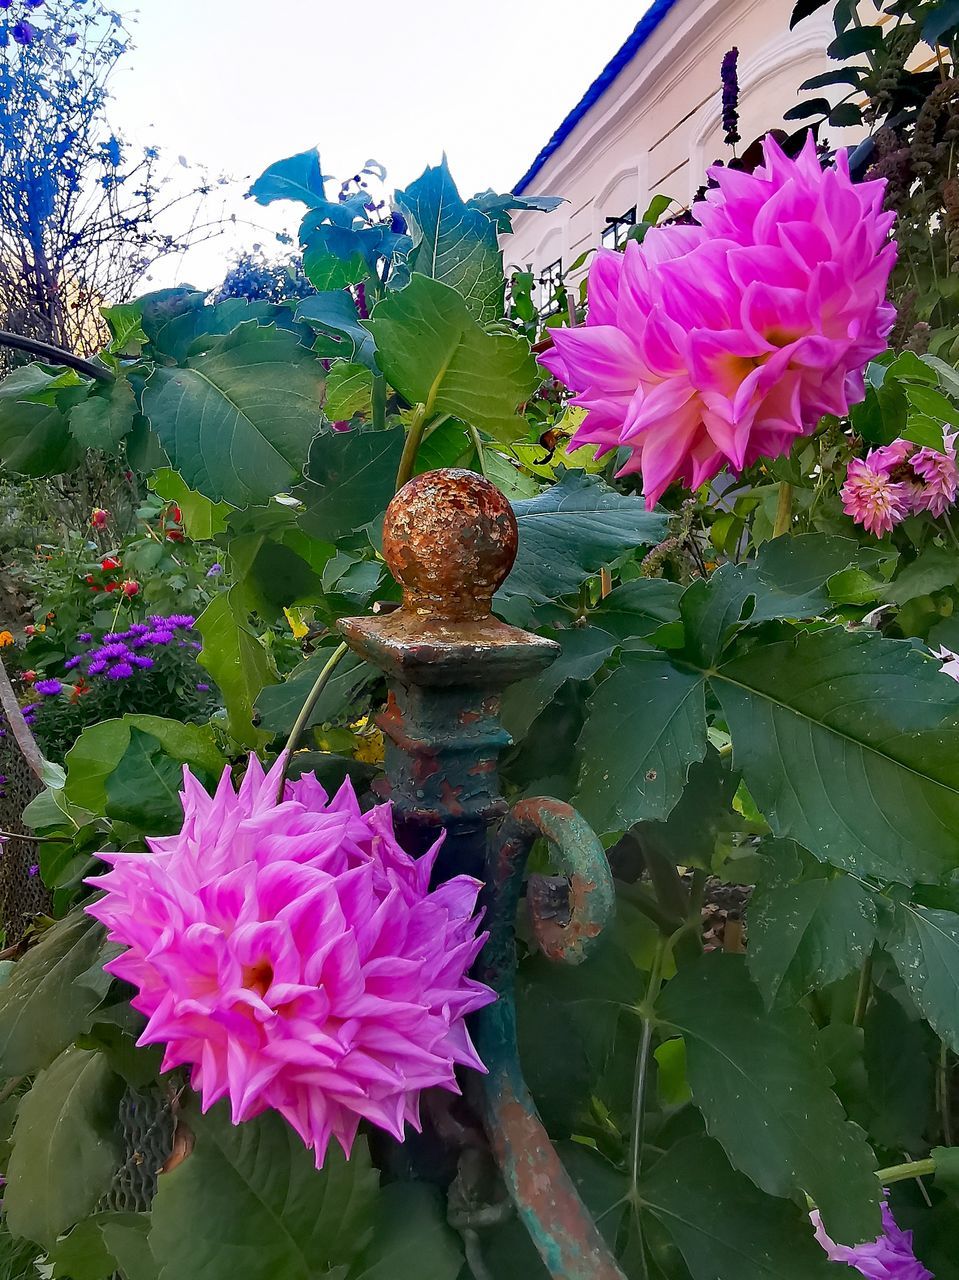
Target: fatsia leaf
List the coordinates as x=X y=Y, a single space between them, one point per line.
x=636 y=610
x=237 y=421
x=35 y=437
x=925 y=947
x=807 y=935
x=725 y=1228
x=454 y=242
x=646 y=726
x=899 y=1067
x=766 y=1096
x=42 y=1007
x=295 y=178
x=105 y=417
x=570 y=531
x=350 y=479
x=411 y=1238
x=434 y=353
x=237 y=661
x=248 y=1201
x=65 y=1146
x=849 y=744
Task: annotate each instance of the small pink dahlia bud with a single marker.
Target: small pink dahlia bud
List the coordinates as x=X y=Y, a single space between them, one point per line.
x=296 y=958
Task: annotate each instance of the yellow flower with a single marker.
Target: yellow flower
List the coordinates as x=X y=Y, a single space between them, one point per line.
x=6 y=639
x=369 y=747
x=297 y=625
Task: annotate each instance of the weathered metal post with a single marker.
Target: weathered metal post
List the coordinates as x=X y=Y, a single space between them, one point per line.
x=450 y=539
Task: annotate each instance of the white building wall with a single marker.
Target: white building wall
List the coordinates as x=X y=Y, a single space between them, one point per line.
x=658 y=125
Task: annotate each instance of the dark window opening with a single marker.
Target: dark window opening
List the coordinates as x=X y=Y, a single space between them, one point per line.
x=616 y=231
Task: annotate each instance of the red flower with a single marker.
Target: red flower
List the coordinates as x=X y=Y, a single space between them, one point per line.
x=29 y=630
x=99 y=517
x=110 y=586
x=174 y=535
x=130 y=587
x=29 y=676
x=109 y=563
x=175 y=514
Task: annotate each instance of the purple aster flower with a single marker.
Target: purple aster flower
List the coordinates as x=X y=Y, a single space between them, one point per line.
x=203 y=688
x=113 y=651
x=120 y=671
x=214 y=570
x=34 y=870
x=139 y=629
x=113 y=636
x=48 y=688
x=23 y=32
x=159 y=637
x=84 y=637
x=31 y=707
x=182 y=621
x=888 y=1257
x=729 y=74
x=73 y=662
x=97 y=666
x=141 y=660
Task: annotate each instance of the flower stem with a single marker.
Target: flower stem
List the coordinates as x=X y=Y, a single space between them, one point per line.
x=864 y=992
x=903 y=1172
x=414 y=438
x=640 y=1082
x=784 y=511
x=302 y=720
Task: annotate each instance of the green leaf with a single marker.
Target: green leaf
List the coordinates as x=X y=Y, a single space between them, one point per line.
x=807 y=935
x=43 y=1007
x=65 y=1147
x=237 y=420
x=570 y=531
x=411 y=1239
x=248 y=1202
x=855 y=41
x=725 y=1228
x=296 y=178
x=334 y=316
x=101 y=747
x=848 y=743
x=195 y=330
x=86 y=1253
x=351 y=476
x=584 y=650
x=941 y=20
x=637 y=609
x=900 y=1074
x=280 y=704
x=125 y=329
x=704 y=810
x=126 y=1236
x=105 y=417
x=144 y=787
x=434 y=353
x=935 y=568
x=454 y=242
x=646 y=726
x=349 y=391
x=202 y=519
x=333 y=257
x=925 y=947
x=35 y=437
x=766 y=1096
x=498 y=206
x=237 y=661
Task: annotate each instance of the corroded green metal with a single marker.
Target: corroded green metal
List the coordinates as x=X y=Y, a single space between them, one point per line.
x=450 y=539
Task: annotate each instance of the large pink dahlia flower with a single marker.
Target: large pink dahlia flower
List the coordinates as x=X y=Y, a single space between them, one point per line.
x=712 y=345
x=295 y=957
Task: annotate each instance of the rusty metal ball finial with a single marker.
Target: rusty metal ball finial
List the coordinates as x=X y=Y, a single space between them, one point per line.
x=450 y=539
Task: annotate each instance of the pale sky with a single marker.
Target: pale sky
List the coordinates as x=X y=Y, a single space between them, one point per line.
x=236 y=84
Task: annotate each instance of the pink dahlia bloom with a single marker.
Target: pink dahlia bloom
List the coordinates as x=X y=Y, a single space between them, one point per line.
x=872 y=498
x=898 y=480
x=295 y=957
x=889 y=1257
x=715 y=344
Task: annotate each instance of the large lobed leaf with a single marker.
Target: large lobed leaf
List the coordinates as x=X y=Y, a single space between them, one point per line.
x=434 y=353
x=35 y=436
x=453 y=242
x=237 y=661
x=237 y=420
x=248 y=1202
x=766 y=1096
x=925 y=947
x=350 y=479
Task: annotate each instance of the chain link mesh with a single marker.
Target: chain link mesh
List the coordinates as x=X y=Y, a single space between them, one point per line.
x=146 y=1127
x=22 y=896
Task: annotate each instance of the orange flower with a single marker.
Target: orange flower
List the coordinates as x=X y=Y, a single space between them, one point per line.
x=6 y=639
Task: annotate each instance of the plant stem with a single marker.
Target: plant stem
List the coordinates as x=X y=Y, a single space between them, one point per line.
x=414 y=438
x=379 y=401
x=668 y=885
x=784 y=511
x=10 y=1088
x=902 y=1172
x=945 y=1102
x=55 y=355
x=864 y=992
x=322 y=680
x=17 y=835
x=640 y=1082
x=477 y=440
